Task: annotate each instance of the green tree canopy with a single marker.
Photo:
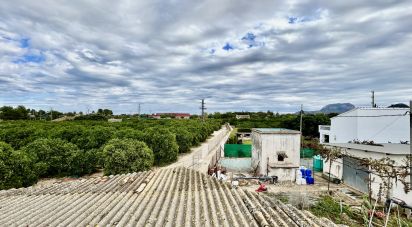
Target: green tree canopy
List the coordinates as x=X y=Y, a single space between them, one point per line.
x=55 y=157
x=163 y=144
x=16 y=168
x=126 y=155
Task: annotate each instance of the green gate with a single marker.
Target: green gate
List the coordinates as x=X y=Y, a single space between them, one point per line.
x=307 y=153
x=238 y=150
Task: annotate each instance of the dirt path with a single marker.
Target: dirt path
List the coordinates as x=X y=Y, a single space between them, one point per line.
x=200 y=157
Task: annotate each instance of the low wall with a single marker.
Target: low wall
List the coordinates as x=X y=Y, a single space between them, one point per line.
x=236 y=164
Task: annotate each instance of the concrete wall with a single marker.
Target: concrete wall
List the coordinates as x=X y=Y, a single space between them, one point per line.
x=343 y=129
x=266 y=147
x=336 y=169
x=379 y=129
x=236 y=164
x=398 y=188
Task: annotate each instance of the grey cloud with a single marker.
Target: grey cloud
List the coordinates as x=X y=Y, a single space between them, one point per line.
x=158 y=53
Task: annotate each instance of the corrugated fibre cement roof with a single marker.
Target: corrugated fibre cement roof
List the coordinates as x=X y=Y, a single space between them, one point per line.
x=275 y=131
x=164 y=197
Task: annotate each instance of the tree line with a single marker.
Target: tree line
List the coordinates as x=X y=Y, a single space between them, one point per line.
x=269 y=119
x=23 y=113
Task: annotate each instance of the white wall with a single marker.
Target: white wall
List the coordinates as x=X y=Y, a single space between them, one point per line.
x=379 y=129
x=236 y=164
x=268 y=145
x=398 y=188
x=384 y=129
x=336 y=168
x=343 y=129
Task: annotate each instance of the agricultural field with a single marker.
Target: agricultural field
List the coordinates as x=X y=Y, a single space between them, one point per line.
x=30 y=150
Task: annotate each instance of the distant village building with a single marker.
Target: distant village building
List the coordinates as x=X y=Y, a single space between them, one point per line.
x=276 y=152
x=386 y=130
x=170 y=115
x=242 y=116
x=112 y=120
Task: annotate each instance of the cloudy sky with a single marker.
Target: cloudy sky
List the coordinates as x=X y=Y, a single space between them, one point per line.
x=238 y=55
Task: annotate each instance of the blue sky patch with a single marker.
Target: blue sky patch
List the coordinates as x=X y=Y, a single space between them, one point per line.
x=249 y=37
x=227 y=47
x=34 y=58
x=24 y=43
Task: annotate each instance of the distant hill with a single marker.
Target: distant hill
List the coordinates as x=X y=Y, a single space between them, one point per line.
x=334 y=108
x=398 y=105
x=337 y=108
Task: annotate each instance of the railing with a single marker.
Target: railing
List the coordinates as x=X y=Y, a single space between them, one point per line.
x=324 y=127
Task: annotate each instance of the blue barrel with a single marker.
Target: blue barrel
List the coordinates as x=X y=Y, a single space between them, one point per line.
x=310 y=180
x=308 y=173
x=303 y=172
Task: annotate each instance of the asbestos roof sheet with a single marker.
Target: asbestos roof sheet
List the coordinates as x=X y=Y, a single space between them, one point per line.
x=275 y=131
x=386 y=148
x=165 y=197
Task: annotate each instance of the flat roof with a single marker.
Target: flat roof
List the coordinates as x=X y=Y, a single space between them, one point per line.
x=275 y=131
x=387 y=148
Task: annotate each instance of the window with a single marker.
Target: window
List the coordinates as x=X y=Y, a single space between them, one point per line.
x=281 y=156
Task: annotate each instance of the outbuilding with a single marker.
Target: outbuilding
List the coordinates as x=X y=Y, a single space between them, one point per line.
x=276 y=152
x=350 y=170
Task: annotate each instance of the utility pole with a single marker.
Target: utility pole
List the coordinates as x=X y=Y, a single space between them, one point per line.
x=301 y=126
x=373 y=99
x=138 y=114
x=410 y=142
x=203 y=108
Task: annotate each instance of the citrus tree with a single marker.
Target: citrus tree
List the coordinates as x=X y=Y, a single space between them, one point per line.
x=126 y=155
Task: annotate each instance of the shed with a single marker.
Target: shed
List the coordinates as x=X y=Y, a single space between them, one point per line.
x=276 y=152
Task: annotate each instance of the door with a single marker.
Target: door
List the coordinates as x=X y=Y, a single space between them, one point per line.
x=355 y=175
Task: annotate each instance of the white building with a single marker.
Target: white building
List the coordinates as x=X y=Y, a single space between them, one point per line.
x=352 y=173
x=112 y=120
x=392 y=126
x=387 y=127
x=242 y=116
x=276 y=152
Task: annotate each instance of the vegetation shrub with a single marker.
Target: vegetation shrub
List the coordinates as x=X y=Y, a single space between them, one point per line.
x=74 y=148
x=163 y=144
x=56 y=157
x=184 y=139
x=329 y=208
x=129 y=133
x=19 y=137
x=126 y=155
x=16 y=168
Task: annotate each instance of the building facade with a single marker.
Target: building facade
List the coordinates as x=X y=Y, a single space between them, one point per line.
x=387 y=134
x=242 y=116
x=350 y=170
x=276 y=152
x=381 y=125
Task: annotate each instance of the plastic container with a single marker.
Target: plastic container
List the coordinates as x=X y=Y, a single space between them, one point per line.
x=310 y=180
x=303 y=172
x=317 y=163
x=308 y=173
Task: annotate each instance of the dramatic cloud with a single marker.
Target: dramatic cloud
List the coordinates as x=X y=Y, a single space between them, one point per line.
x=238 y=55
